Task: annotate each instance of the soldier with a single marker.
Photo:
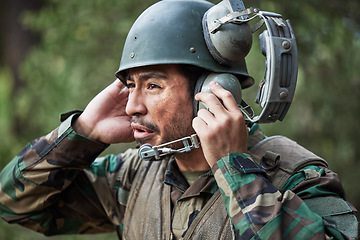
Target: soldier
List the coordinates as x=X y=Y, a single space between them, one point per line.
x=59 y=185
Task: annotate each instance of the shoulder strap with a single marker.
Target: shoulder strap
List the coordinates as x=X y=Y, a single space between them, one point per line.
x=281 y=157
x=340 y=215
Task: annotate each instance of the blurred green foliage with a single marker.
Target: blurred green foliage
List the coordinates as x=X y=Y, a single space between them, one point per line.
x=80 y=49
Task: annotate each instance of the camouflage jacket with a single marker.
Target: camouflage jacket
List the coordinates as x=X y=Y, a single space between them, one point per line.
x=59 y=185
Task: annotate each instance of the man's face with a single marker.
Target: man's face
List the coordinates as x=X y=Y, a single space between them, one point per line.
x=160 y=104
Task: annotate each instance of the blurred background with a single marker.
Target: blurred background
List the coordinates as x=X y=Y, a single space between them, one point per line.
x=57 y=55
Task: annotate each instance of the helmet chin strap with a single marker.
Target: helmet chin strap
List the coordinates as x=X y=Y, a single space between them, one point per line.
x=148 y=152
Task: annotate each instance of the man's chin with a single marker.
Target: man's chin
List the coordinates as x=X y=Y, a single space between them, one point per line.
x=143 y=141
x=158 y=143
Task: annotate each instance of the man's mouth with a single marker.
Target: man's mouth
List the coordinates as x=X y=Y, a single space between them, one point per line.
x=141 y=131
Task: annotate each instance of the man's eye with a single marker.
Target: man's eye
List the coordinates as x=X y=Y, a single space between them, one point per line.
x=130 y=85
x=152 y=86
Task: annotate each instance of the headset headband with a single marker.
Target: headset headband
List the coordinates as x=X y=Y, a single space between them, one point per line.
x=278 y=45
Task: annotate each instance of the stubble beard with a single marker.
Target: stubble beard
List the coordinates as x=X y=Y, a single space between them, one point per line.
x=175 y=131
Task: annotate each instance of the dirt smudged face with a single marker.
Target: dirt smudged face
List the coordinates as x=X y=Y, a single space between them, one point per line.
x=160 y=104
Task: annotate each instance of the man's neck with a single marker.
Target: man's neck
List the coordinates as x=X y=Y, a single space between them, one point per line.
x=192 y=161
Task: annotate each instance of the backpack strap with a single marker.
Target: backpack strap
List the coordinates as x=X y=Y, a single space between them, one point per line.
x=281 y=157
x=339 y=216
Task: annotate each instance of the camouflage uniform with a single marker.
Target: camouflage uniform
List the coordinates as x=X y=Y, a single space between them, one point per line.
x=59 y=185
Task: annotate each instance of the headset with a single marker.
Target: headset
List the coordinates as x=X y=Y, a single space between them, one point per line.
x=228 y=36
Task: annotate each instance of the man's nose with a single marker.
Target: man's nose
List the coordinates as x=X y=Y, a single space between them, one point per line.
x=135 y=105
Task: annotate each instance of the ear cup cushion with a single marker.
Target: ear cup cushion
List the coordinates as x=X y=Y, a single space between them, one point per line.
x=198 y=87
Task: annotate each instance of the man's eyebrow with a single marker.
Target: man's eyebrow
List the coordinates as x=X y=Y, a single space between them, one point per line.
x=150 y=75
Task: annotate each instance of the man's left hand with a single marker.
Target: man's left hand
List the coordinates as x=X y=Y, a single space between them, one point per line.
x=223 y=130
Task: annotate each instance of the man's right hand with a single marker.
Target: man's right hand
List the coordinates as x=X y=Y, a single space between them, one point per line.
x=104 y=119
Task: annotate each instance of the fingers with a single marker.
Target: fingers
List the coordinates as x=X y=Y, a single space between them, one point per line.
x=118 y=82
x=116 y=90
x=206 y=117
x=104 y=118
x=221 y=104
x=218 y=107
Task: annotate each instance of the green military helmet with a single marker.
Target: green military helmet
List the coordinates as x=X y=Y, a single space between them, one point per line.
x=170 y=32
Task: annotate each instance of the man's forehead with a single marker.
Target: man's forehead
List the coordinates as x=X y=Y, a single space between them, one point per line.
x=155 y=71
